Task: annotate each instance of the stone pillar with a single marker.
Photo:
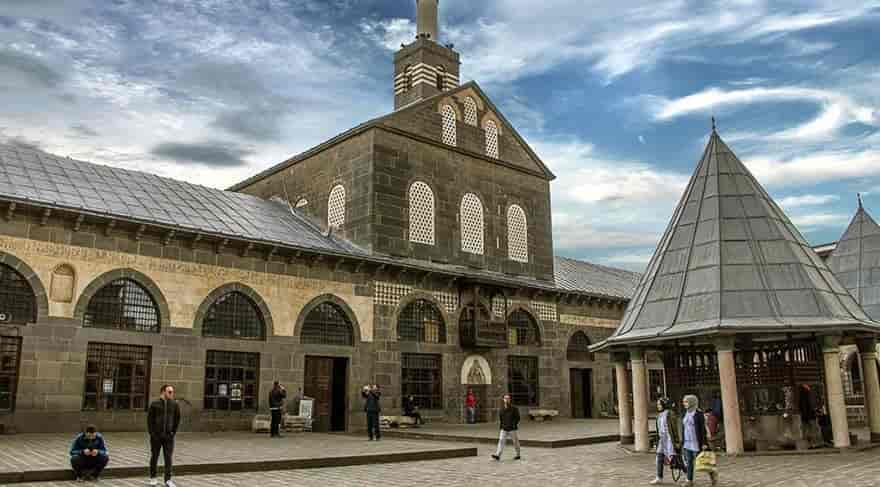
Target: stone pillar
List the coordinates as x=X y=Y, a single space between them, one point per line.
x=834 y=391
x=640 y=399
x=868 y=352
x=623 y=409
x=729 y=396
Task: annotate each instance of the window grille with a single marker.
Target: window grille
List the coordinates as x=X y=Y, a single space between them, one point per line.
x=499 y=306
x=441 y=78
x=421 y=213
x=693 y=370
x=579 y=348
x=234 y=315
x=301 y=203
x=517 y=234
x=449 y=126
x=327 y=324
x=10 y=356
x=421 y=321
x=231 y=380
x=18 y=304
x=470 y=111
x=770 y=374
x=409 y=77
x=421 y=376
x=117 y=377
x=522 y=380
x=124 y=305
x=522 y=330
x=472 y=225
x=657 y=386
x=336 y=207
x=491 y=130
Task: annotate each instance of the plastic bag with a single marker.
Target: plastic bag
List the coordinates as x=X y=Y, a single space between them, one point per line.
x=706 y=462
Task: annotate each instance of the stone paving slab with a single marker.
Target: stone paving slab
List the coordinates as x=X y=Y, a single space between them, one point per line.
x=32 y=457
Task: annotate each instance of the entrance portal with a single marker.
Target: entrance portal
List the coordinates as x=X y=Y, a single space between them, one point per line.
x=326 y=381
x=581 y=393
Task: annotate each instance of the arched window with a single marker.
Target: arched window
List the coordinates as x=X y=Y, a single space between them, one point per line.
x=517 y=234
x=18 y=303
x=408 y=75
x=234 y=315
x=327 y=324
x=302 y=202
x=449 y=121
x=470 y=112
x=336 y=207
x=421 y=321
x=522 y=329
x=579 y=348
x=491 y=131
x=421 y=213
x=124 y=304
x=472 y=226
x=441 y=78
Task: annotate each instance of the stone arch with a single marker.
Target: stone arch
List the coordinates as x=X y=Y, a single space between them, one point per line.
x=330 y=298
x=41 y=298
x=63 y=284
x=106 y=278
x=513 y=307
x=573 y=347
x=851 y=373
x=416 y=296
x=268 y=324
x=475 y=366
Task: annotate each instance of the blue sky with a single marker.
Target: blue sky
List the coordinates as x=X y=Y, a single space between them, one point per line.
x=616 y=97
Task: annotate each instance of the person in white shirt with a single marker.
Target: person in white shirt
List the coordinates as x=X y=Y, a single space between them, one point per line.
x=668 y=436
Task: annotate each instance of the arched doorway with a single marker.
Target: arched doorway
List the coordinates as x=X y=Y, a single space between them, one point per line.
x=477 y=377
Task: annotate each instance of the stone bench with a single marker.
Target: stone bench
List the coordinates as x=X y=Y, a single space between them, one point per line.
x=396 y=422
x=542 y=414
x=289 y=423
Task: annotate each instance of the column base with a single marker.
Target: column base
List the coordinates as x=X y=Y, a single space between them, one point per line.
x=627 y=440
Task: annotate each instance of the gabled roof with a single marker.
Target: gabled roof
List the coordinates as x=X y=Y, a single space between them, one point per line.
x=578 y=275
x=856 y=261
x=732 y=262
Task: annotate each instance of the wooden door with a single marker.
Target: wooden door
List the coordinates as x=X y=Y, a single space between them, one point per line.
x=577 y=393
x=587 y=385
x=318 y=384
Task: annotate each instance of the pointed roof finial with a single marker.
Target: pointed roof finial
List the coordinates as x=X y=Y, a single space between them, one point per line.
x=713 y=123
x=860 y=200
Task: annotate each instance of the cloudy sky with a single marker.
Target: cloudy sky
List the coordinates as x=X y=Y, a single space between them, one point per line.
x=615 y=96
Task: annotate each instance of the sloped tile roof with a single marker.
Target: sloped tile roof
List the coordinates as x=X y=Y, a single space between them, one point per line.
x=579 y=276
x=856 y=262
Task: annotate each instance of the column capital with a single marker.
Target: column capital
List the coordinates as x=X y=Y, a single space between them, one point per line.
x=830 y=343
x=725 y=343
x=619 y=357
x=867 y=345
x=637 y=354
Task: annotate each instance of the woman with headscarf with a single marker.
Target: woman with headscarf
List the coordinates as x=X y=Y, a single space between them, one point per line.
x=668 y=436
x=693 y=427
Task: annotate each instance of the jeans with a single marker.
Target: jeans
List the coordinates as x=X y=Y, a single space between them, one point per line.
x=661 y=462
x=471 y=415
x=373 y=424
x=690 y=458
x=502 y=440
x=166 y=444
x=88 y=465
x=276 y=422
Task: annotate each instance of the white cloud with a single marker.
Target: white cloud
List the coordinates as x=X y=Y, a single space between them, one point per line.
x=807 y=200
x=816 y=167
x=811 y=221
x=630 y=259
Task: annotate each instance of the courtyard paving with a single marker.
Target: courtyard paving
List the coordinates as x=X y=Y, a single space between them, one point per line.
x=554 y=433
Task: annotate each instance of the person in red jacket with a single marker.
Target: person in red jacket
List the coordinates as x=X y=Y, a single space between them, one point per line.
x=470 y=405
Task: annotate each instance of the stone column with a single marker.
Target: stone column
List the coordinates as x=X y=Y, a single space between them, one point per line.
x=623 y=409
x=729 y=396
x=868 y=352
x=834 y=391
x=640 y=399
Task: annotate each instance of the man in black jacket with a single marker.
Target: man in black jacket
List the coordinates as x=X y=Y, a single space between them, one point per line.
x=372 y=407
x=276 y=401
x=508 y=416
x=163 y=418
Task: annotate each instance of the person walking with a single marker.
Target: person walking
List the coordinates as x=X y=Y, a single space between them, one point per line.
x=509 y=419
x=470 y=405
x=693 y=427
x=372 y=407
x=163 y=418
x=88 y=454
x=276 y=402
x=668 y=436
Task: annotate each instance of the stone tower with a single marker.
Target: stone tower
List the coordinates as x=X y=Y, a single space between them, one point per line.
x=424 y=67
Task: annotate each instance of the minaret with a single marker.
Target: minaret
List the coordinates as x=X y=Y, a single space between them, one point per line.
x=424 y=67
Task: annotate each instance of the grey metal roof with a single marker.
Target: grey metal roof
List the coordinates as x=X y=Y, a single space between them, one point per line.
x=856 y=261
x=37 y=177
x=580 y=276
x=731 y=261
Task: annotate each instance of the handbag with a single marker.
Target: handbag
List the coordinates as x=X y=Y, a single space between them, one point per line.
x=706 y=462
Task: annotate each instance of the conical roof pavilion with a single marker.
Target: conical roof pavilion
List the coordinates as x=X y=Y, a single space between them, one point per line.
x=732 y=262
x=856 y=261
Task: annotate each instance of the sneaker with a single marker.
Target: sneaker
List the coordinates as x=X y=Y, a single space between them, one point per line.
x=656 y=481
x=170 y=483
x=496 y=457
x=153 y=482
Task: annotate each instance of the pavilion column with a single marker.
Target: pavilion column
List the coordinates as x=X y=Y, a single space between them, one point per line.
x=733 y=437
x=868 y=352
x=834 y=391
x=623 y=409
x=640 y=399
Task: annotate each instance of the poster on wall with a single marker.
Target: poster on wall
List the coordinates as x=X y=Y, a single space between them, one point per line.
x=222 y=389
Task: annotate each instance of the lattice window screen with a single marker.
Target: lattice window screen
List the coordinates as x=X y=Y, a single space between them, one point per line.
x=449 y=121
x=491 y=139
x=302 y=202
x=448 y=300
x=470 y=111
x=517 y=234
x=336 y=207
x=421 y=213
x=389 y=293
x=546 y=311
x=499 y=305
x=472 y=225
